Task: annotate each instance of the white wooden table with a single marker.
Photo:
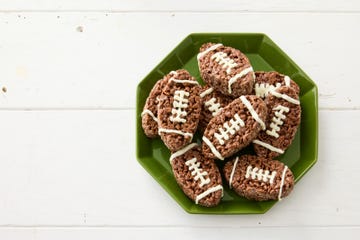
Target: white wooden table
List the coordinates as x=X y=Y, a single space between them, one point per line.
x=67 y=117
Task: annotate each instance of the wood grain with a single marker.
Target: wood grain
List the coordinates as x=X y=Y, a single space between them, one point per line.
x=78 y=168
x=68 y=76
x=185 y=5
x=62 y=67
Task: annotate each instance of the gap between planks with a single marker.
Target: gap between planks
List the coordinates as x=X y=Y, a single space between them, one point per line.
x=10 y=226
x=184 y=11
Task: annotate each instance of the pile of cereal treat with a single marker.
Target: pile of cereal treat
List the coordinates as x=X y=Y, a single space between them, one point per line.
x=237 y=107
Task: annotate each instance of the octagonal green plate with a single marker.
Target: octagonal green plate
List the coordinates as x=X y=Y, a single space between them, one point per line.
x=264 y=55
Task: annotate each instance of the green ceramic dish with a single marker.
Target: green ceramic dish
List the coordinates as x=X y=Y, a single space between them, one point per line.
x=265 y=55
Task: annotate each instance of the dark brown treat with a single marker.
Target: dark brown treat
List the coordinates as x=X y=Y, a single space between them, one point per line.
x=284 y=115
x=212 y=103
x=197 y=176
x=235 y=127
x=258 y=178
x=179 y=110
x=267 y=81
x=149 y=118
x=226 y=69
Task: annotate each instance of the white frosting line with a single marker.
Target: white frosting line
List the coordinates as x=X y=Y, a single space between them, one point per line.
x=252 y=112
x=237 y=76
x=287 y=81
x=268 y=146
x=206 y=92
x=173 y=72
x=262 y=89
x=212 y=148
x=182 y=151
x=175 y=131
x=233 y=171
x=147 y=111
x=203 y=53
x=207 y=192
x=285 y=97
x=282 y=182
x=184 y=81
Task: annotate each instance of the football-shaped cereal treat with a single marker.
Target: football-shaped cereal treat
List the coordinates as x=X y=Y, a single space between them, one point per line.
x=269 y=81
x=212 y=103
x=284 y=115
x=258 y=178
x=179 y=110
x=149 y=118
x=234 y=127
x=197 y=176
x=226 y=69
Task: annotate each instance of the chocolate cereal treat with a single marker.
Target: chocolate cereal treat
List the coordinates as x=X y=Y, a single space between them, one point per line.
x=235 y=127
x=212 y=103
x=284 y=115
x=269 y=81
x=258 y=178
x=226 y=69
x=179 y=110
x=197 y=176
x=149 y=118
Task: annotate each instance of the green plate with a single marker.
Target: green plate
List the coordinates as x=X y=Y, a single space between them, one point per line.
x=264 y=55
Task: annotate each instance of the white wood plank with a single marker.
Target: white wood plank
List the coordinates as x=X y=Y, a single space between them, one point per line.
x=190 y=233
x=78 y=168
x=185 y=5
x=46 y=62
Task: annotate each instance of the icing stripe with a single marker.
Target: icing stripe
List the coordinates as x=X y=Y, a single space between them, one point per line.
x=206 y=92
x=173 y=72
x=282 y=182
x=184 y=81
x=237 y=76
x=147 y=111
x=268 y=146
x=182 y=151
x=232 y=172
x=212 y=148
x=253 y=112
x=207 y=192
x=285 y=97
x=203 y=53
x=287 y=81
x=175 y=131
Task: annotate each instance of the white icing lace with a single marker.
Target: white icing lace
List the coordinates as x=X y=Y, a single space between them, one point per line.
x=213 y=107
x=263 y=89
x=180 y=103
x=197 y=172
x=234 y=126
x=277 y=120
x=260 y=174
x=206 y=92
x=223 y=59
